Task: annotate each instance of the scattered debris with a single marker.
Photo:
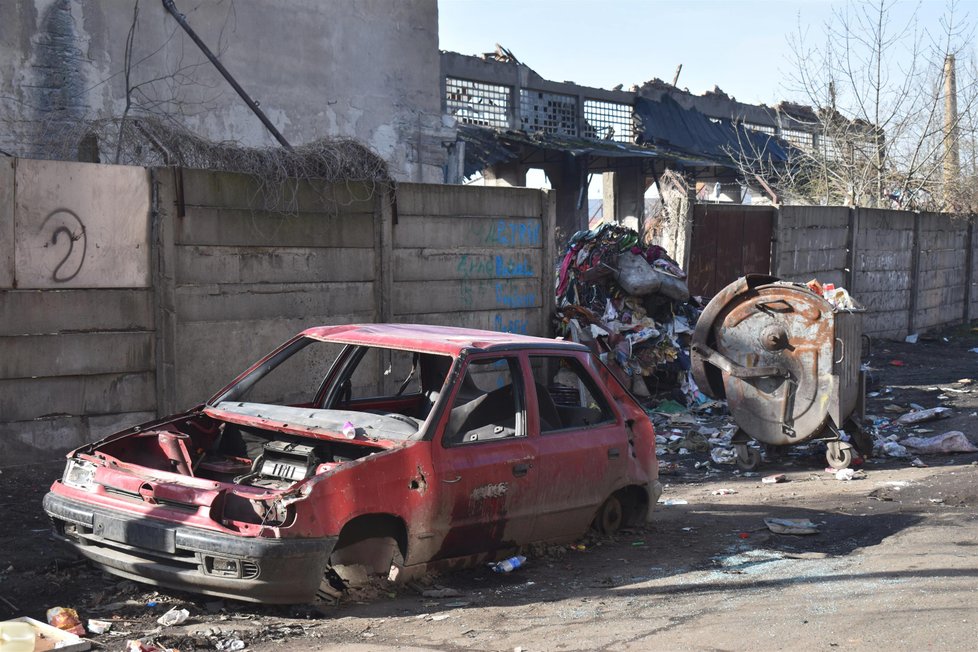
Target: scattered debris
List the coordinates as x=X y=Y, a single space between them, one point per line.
x=669 y=502
x=724 y=492
x=508 y=565
x=849 y=474
x=791 y=526
x=174 y=617
x=723 y=455
x=953 y=441
x=921 y=416
x=66 y=620
x=99 y=626
x=893 y=449
x=777 y=478
x=48 y=637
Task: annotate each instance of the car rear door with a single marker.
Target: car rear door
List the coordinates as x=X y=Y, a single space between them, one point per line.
x=579 y=444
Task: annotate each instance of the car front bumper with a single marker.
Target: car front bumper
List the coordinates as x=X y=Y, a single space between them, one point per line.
x=161 y=553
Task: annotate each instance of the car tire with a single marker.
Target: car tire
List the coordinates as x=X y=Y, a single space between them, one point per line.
x=610 y=516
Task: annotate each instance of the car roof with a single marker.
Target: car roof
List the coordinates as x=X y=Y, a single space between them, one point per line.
x=448 y=340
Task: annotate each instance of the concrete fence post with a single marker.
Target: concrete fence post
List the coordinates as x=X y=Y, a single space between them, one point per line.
x=548 y=218
x=384 y=254
x=914 y=275
x=165 y=188
x=852 y=249
x=969 y=268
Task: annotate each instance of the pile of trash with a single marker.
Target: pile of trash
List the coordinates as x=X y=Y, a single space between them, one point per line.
x=631 y=305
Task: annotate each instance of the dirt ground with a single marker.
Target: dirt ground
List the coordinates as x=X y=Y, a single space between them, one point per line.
x=891 y=567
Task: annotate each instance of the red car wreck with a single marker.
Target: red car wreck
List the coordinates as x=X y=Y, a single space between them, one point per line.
x=391 y=448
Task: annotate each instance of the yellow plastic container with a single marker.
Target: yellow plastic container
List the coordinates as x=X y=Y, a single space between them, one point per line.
x=16 y=637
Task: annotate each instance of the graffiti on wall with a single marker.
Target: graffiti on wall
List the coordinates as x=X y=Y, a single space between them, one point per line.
x=67 y=234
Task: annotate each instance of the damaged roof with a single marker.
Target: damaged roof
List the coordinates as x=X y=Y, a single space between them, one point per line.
x=665 y=123
x=666 y=131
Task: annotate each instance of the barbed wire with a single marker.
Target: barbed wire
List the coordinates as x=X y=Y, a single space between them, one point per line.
x=152 y=141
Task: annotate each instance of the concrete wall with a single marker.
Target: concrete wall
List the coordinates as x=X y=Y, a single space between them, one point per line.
x=77 y=353
x=243 y=280
x=812 y=242
x=909 y=270
x=473 y=257
x=187 y=279
x=366 y=69
x=883 y=278
x=942 y=242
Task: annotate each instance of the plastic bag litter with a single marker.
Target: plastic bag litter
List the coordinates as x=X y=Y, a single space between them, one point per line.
x=920 y=416
x=950 y=442
x=791 y=526
x=174 y=617
x=893 y=449
x=723 y=455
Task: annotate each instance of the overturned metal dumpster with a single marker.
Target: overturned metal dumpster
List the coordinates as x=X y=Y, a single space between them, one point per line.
x=788 y=364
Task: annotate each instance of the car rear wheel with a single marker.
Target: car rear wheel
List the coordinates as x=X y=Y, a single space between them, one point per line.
x=610 y=516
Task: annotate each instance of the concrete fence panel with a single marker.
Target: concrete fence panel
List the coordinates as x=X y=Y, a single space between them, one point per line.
x=812 y=242
x=475 y=257
x=883 y=269
x=77 y=322
x=942 y=270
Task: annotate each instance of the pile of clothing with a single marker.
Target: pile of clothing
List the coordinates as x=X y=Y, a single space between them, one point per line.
x=630 y=304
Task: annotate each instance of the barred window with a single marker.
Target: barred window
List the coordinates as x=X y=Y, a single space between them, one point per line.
x=608 y=121
x=477 y=103
x=548 y=112
x=764 y=129
x=798 y=138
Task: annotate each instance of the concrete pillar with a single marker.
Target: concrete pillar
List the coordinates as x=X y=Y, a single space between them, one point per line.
x=505 y=174
x=569 y=180
x=624 y=197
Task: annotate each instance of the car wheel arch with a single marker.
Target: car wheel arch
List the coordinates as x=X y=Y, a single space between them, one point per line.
x=358 y=540
x=634 y=502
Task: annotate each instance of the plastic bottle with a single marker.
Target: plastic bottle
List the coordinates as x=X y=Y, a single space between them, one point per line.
x=16 y=637
x=509 y=565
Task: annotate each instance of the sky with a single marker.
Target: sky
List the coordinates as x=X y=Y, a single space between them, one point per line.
x=739 y=45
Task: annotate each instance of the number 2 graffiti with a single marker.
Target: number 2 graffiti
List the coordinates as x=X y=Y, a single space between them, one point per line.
x=66 y=228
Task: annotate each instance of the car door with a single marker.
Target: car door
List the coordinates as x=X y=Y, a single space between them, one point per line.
x=486 y=473
x=579 y=444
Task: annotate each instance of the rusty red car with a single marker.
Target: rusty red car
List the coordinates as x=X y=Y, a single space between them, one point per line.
x=357 y=449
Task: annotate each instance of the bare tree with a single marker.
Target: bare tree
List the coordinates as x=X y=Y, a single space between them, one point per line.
x=877 y=129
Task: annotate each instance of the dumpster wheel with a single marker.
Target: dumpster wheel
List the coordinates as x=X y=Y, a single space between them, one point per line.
x=748 y=459
x=839 y=454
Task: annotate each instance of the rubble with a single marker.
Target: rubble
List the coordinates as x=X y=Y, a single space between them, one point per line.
x=630 y=304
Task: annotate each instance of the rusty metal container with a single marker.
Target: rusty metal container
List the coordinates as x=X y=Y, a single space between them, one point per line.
x=788 y=365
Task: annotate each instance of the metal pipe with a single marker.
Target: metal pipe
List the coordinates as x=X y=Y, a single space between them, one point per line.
x=182 y=20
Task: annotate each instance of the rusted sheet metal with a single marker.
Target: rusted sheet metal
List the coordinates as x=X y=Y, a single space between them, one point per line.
x=784 y=360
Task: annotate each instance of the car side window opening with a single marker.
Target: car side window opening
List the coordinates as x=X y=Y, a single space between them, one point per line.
x=487 y=404
x=567 y=396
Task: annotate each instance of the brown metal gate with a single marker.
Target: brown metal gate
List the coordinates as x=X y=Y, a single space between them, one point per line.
x=728 y=241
